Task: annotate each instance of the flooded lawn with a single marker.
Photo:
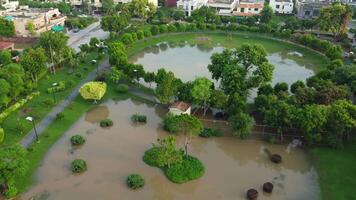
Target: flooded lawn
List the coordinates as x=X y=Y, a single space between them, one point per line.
x=232 y=165
x=189 y=61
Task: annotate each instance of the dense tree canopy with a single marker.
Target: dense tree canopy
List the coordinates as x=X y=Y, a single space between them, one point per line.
x=7 y=28
x=335 y=18
x=142 y=9
x=115 y=23
x=13 y=163
x=93 y=90
x=201 y=92
x=117 y=54
x=33 y=61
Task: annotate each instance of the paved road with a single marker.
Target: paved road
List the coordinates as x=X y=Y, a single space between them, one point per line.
x=51 y=116
x=83 y=36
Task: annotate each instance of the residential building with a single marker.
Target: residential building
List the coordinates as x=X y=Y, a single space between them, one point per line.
x=9 y=5
x=249 y=7
x=170 y=3
x=42 y=20
x=223 y=7
x=190 y=5
x=282 y=6
x=98 y=3
x=179 y=108
x=307 y=9
x=349 y=2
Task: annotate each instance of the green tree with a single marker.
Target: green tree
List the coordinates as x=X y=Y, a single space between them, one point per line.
x=117 y=54
x=312 y=120
x=218 y=99
x=186 y=124
x=341 y=121
x=141 y=9
x=115 y=23
x=242 y=124
x=201 y=92
x=206 y=14
x=107 y=6
x=167 y=153
x=15 y=76
x=241 y=69
x=33 y=61
x=13 y=163
x=281 y=115
x=4 y=93
x=55 y=46
x=93 y=90
x=2 y=135
x=31 y=28
x=167 y=88
x=149 y=77
x=5 y=57
x=115 y=75
x=266 y=14
x=296 y=85
x=335 y=18
x=7 y=27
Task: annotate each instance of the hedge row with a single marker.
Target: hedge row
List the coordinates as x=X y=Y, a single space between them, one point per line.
x=16 y=106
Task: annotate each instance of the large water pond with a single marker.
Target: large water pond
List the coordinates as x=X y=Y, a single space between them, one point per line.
x=188 y=61
x=232 y=165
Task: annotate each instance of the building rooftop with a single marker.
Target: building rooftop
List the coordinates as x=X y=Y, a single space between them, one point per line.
x=180 y=105
x=5 y=45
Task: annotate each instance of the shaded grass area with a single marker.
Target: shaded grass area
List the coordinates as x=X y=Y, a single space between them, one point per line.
x=16 y=127
x=190 y=169
x=310 y=58
x=337 y=171
x=72 y=113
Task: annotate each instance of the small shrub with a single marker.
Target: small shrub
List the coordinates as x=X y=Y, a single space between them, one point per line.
x=139 y=118
x=59 y=116
x=70 y=83
x=135 y=181
x=150 y=156
x=106 y=123
x=78 y=166
x=209 y=132
x=2 y=135
x=272 y=139
x=122 y=88
x=60 y=87
x=48 y=102
x=78 y=74
x=190 y=169
x=11 y=191
x=77 y=140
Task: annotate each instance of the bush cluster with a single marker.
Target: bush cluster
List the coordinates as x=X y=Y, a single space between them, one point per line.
x=139 y=118
x=60 y=87
x=210 y=132
x=106 y=123
x=77 y=140
x=135 y=181
x=122 y=88
x=78 y=166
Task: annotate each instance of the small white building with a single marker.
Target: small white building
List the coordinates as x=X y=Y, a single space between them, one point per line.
x=282 y=6
x=179 y=108
x=9 y=5
x=190 y=5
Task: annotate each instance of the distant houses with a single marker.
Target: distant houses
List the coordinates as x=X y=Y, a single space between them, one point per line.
x=282 y=6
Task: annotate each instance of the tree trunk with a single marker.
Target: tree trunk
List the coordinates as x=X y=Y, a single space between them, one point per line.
x=186 y=145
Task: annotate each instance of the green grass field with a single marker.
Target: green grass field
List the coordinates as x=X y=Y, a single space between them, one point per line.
x=337 y=171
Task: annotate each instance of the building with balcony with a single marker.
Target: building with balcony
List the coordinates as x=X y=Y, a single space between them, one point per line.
x=41 y=19
x=282 y=6
x=249 y=7
x=223 y=7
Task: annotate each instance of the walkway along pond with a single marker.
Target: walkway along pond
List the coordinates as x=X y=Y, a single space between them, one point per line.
x=232 y=165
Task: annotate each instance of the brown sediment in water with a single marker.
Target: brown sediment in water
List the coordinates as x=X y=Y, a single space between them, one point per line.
x=232 y=165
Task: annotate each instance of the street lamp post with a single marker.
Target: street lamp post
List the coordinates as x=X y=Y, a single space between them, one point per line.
x=29 y=118
x=136 y=73
x=53 y=92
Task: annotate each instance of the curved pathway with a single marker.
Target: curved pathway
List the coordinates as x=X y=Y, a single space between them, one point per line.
x=51 y=116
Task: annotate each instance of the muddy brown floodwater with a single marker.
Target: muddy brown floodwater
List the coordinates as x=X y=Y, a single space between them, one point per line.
x=232 y=165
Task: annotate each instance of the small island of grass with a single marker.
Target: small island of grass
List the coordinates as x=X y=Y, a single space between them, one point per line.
x=177 y=167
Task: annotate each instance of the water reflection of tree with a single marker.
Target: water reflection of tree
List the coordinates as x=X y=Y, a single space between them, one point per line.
x=205 y=47
x=155 y=49
x=163 y=46
x=96 y=114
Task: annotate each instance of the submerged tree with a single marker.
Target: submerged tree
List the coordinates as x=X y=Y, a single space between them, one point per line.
x=167 y=153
